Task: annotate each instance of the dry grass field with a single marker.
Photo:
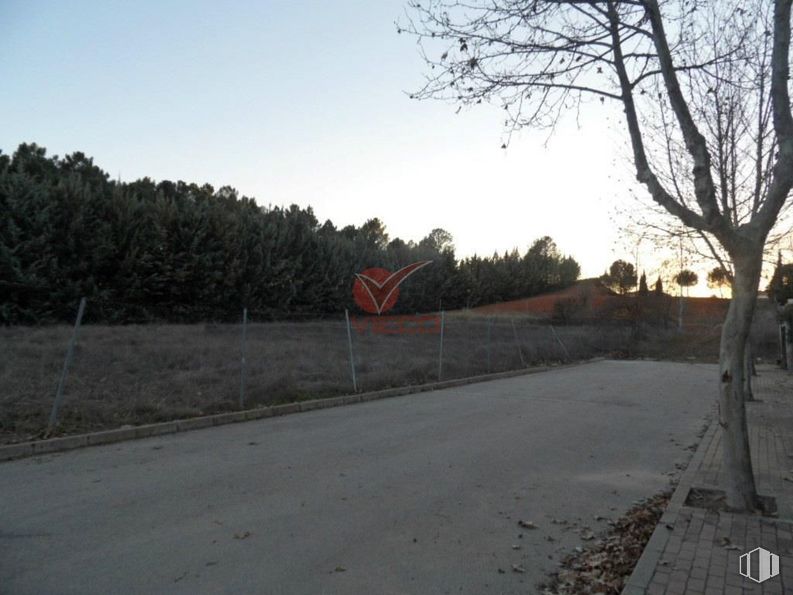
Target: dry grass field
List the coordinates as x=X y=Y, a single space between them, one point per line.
x=140 y=374
x=147 y=373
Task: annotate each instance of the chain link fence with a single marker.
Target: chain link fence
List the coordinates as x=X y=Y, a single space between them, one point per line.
x=136 y=374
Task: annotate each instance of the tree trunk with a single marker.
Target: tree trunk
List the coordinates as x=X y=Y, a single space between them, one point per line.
x=680 y=313
x=748 y=372
x=741 y=490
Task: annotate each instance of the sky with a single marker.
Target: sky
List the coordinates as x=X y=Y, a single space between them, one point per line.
x=305 y=102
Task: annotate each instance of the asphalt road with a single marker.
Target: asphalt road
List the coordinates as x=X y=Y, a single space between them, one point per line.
x=419 y=494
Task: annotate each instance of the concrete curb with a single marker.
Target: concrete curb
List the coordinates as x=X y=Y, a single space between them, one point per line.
x=642 y=574
x=53 y=445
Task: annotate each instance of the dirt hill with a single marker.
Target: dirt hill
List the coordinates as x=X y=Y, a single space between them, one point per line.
x=590 y=299
x=543 y=305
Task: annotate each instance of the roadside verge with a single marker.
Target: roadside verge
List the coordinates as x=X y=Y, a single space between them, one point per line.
x=54 y=445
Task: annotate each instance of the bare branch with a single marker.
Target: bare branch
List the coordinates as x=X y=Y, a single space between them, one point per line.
x=704 y=188
x=782 y=182
x=644 y=172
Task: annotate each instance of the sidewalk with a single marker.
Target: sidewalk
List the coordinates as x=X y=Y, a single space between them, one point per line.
x=696 y=551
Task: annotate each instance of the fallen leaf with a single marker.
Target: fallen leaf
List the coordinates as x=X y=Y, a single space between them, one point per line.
x=527 y=524
x=604 y=565
x=243 y=535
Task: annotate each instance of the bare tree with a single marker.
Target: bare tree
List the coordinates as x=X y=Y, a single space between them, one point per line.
x=731 y=101
x=541 y=59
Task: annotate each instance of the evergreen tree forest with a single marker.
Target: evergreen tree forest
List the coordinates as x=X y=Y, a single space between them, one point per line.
x=181 y=252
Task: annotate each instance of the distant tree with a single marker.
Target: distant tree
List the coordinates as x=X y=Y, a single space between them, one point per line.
x=512 y=276
x=541 y=267
x=183 y=252
x=643 y=289
x=438 y=240
x=780 y=288
x=569 y=271
x=686 y=278
x=718 y=278
x=621 y=276
x=373 y=233
x=658 y=289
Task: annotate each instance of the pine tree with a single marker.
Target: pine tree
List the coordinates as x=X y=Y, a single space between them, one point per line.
x=643 y=289
x=183 y=252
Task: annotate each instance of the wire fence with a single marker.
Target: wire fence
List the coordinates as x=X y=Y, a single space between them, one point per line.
x=66 y=379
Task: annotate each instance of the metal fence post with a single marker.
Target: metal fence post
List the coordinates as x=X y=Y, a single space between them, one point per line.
x=242 y=359
x=566 y=353
x=440 y=351
x=352 y=357
x=517 y=342
x=66 y=363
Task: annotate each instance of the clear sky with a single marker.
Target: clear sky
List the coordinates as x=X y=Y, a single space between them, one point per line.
x=301 y=102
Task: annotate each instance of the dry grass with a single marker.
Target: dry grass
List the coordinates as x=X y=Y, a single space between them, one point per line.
x=700 y=341
x=147 y=373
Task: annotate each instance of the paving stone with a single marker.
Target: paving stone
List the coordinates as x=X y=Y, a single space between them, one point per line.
x=697 y=547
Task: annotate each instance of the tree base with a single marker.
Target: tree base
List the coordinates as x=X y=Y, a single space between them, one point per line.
x=715 y=500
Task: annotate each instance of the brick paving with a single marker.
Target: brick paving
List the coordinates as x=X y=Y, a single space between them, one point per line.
x=696 y=551
x=698 y=559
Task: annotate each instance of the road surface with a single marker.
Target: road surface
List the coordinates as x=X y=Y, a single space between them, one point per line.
x=417 y=494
